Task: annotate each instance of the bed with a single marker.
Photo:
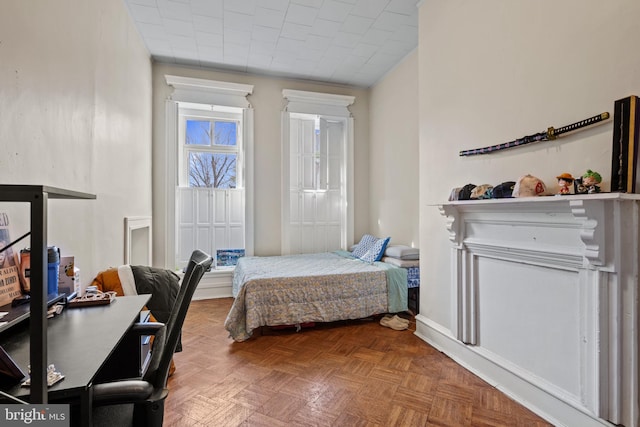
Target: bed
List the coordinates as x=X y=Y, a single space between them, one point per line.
x=321 y=287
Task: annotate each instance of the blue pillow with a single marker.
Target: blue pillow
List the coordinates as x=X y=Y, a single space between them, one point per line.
x=365 y=244
x=376 y=251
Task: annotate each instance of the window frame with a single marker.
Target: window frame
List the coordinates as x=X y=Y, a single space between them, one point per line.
x=186 y=113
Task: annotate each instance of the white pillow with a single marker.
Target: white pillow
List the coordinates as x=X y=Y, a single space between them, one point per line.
x=402 y=252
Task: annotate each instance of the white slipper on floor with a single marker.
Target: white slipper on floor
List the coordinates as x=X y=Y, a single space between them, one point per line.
x=398 y=318
x=394 y=323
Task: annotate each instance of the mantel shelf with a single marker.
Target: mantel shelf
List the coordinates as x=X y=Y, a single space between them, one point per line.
x=541 y=199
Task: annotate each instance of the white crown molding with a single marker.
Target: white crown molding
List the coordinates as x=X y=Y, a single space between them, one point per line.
x=300 y=101
x=189 y=89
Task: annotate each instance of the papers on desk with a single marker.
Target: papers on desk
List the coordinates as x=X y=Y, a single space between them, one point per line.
x=95 y=298
x=53 y=377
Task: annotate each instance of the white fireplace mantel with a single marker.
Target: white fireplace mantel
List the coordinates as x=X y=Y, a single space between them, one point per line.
x=546 y=288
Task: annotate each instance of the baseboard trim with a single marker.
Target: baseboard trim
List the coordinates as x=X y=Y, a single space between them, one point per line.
x=539 y=401
x=215 y=284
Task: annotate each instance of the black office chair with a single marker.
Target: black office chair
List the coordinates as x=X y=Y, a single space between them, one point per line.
x=140 y=401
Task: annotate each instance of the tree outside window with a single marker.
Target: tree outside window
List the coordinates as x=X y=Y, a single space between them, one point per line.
x=212 y=153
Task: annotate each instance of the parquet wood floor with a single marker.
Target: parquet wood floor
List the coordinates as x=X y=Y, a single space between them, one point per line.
x=355 y=373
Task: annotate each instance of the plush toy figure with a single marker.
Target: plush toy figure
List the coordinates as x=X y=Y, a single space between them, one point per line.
x=588 y=183
x=565 y=181
x=529 y=186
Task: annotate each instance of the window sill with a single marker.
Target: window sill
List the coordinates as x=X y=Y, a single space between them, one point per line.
x=214 y=272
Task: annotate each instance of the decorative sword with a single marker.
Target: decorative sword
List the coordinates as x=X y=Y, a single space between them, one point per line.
x=549 y=135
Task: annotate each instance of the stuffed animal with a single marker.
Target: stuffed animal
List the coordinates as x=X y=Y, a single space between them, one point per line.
x=529 y=186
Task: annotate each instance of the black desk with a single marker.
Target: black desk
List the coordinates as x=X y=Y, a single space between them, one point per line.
x=80 y=341
x=21 y=312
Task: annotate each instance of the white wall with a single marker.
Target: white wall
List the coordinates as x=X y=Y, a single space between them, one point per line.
x=393 y=161
x=494 y=71
x=75 y=112
x=268 y=103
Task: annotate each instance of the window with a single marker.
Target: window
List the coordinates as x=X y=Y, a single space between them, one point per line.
x=317 y=198
x=210 y=194
x=211 y=149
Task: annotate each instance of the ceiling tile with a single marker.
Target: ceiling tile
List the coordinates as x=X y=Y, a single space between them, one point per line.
x=211 y=8
x=209 y=40
x=262 y=47
x=265 y=34
x=325 y=28
x=315 y=42
x=207 y=24
x=295 y=31
x=347 y=39
x=303 y=15
x=311 y=54
x=184 y=44
x=364 y=49
x=275 y=4
x=369 y=8
x=269 y=17
x=235 y=36
x=334 y=11
x=181 y=28
x=207 y=53
x=390 y=21
x=311 y=3
x=237 y=21
x=172 y=10
x=247 y=7
x=291 y=46
x=356 y=24
x=377 y=37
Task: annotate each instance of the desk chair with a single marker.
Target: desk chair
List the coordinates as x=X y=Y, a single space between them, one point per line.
x=140 y=401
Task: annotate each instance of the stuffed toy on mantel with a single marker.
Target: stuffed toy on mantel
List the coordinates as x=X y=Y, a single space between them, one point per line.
x=529 y=186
